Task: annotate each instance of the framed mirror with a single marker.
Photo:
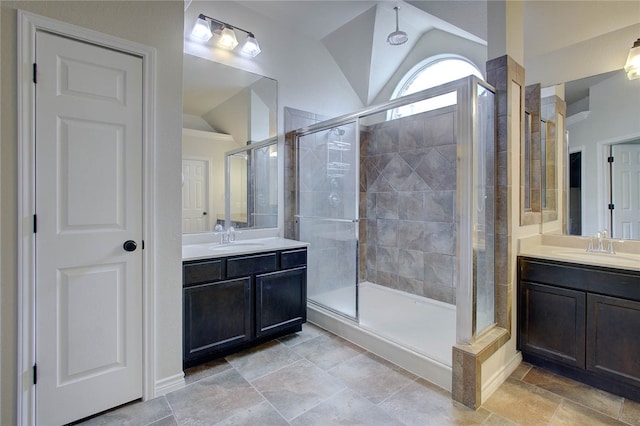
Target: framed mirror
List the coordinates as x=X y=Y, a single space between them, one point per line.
x=602 y=123
x=224 y=109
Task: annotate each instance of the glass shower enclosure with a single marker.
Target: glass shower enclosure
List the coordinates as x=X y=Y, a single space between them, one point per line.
x=327 y=214
x=332 y=196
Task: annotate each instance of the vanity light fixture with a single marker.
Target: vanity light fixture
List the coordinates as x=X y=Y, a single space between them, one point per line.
x=397 y=37
x=225 y=34
x=632 y=66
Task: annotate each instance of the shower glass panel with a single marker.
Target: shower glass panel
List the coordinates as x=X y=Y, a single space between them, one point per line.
x=483 y=208
x=327 y=217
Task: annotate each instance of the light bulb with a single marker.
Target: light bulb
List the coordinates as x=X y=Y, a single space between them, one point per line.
x=201 y=30
x=250 y=47
x=227 y=39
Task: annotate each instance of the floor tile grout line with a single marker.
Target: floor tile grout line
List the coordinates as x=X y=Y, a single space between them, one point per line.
x=412 y=381
x=345 y=389
x=173 y=412
x=270 y=372
x=269 y=402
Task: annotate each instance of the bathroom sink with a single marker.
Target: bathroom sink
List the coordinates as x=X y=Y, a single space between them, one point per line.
x=618 y=259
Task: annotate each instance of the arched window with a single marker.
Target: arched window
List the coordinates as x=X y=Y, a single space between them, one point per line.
x=429 y=73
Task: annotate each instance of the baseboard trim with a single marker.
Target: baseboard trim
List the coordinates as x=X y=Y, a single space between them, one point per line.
x=500 y=376
x=169 y=384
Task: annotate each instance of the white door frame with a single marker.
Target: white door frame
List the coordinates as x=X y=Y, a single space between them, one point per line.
x=28 y=24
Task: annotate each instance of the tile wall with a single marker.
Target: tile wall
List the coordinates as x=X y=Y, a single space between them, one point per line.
x=407 y=212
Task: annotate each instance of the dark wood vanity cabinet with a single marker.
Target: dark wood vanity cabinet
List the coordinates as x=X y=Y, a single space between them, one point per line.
x=236 y=302
x=581 y=321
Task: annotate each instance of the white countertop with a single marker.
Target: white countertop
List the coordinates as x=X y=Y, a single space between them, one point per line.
x=568 y=249
x=209 y=250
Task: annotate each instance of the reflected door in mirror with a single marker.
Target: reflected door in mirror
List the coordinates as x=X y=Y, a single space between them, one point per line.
x=195 y=190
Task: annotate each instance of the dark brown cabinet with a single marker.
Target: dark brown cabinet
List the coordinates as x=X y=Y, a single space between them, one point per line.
x=236 y=302
x=543 y=308
x=581 y=321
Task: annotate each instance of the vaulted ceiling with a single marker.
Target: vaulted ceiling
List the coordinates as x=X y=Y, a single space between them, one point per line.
x=355 y=33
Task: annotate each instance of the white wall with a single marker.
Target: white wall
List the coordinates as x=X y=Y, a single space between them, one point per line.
x=614 y=106
x=139 y=22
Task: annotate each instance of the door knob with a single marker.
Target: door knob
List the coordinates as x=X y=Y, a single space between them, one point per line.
x=129 y=245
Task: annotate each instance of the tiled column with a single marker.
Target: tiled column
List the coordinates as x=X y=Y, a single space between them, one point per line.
x=507 y=77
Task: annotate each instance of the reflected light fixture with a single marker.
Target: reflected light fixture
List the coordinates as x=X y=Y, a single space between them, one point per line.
x=225 y=35
x=397 y=37
x=632 y=66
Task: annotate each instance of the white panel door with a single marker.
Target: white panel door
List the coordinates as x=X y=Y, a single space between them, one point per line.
x=626 y=191
x=88 y=203
x=195 y=200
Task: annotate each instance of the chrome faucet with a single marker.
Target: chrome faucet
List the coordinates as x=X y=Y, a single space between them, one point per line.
x=227 y=236
x=597 y=244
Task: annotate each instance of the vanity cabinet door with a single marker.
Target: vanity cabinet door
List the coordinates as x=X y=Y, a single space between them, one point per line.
x=217 y=316
x=552 y=323
x=281 y=300
x=613 y=338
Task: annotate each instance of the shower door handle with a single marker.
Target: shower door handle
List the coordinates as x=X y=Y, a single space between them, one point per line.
x=328 y=219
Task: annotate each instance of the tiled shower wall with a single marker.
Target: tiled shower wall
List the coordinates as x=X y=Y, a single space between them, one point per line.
x=407 y=214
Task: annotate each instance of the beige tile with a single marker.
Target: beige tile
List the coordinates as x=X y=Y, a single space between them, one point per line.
x=262 y=360
x=194 y=374
x=327 y=351
x=630 y=412
x=422 y=403
x=167 y=421
x=297 y=388
x=497 y=420
x=521 y=371
x=345 y=408
x=213 y=399
x=523 y=403
x=372 y=377
x=135 y=413
x=262 y=414
x=571 y=414
x=309 y=331
x=596 y=399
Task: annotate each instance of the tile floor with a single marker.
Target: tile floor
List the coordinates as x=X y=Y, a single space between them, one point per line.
x=316 y=378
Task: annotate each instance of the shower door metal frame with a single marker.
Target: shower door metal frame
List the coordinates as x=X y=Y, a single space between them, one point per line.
x=319 y=127
x=467 y=130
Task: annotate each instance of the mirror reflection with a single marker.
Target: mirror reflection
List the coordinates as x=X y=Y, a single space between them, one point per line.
x=530 y=162
x=252 y=182
x=602 y=123
x=224 y=109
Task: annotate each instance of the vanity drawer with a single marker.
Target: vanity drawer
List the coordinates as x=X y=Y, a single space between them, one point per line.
x=255 y=264
x=293 y=258
x=202 y=272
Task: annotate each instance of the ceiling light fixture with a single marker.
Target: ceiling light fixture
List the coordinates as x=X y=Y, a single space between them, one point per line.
x=225 y=35
x=397 y=37
x=632 y=66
